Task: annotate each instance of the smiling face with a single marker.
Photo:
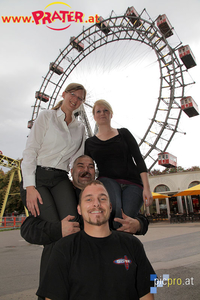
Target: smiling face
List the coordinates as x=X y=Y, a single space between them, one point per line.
x=72 y=100
x=83 y=171
x=94 y=205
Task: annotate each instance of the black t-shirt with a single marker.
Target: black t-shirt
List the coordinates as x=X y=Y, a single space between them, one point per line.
x=118 y=157
x=82 y=267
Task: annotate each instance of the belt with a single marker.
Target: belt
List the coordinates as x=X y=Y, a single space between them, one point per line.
x=51 y=169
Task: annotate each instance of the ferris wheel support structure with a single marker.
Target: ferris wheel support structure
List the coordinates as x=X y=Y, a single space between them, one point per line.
x=165 y=120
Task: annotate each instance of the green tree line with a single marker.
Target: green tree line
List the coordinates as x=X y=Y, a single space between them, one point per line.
x=173 y=170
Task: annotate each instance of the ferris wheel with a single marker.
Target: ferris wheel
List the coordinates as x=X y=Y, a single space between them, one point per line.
x=130 y=27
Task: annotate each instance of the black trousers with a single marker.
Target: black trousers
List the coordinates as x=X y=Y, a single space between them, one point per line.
x=59 y=200
x=57 y=192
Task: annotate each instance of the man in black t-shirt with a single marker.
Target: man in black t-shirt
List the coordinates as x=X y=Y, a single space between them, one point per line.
x=37 y=231
x=97 y=263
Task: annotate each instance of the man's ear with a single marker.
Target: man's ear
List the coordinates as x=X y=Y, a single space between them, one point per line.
x=79 y=209
x=110 y=207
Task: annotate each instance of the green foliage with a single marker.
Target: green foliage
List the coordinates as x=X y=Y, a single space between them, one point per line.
x=173 y=170
x=14 y=202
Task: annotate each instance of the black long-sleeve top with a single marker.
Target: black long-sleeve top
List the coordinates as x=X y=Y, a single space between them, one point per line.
x=37 y=231
x=40 y=232
x=118 y=157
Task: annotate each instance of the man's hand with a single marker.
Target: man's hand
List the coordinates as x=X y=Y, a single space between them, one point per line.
x=69 y=227
x=129 y=224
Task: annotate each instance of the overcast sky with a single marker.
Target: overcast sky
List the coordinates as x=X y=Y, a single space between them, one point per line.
x=26 y=51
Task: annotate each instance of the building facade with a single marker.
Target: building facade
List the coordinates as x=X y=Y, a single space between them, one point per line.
x=171 y=184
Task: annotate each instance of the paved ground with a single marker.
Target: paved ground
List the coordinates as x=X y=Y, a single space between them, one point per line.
x=173 y=249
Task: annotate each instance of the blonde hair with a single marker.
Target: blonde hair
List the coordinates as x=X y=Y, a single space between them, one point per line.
x=71 y=87
x=104 y=103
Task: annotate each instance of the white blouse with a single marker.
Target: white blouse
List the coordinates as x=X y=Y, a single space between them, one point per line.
x=52 y=143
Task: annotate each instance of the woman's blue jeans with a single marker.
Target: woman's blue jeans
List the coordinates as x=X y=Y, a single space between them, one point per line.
x=124 y=197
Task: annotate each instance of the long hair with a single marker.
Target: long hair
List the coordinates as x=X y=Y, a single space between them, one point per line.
x=71 y=87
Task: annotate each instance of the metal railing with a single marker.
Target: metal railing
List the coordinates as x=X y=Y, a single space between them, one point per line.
x=11 y=222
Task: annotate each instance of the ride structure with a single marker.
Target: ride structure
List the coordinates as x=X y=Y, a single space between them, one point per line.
x=131 y=26
x=14 y=165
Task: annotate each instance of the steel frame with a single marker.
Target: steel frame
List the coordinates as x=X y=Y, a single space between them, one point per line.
x=15 y=166
x=164 y=123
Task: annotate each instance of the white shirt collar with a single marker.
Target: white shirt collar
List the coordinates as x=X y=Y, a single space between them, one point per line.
x=61 y=113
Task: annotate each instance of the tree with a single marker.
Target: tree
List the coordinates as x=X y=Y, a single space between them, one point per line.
x=173 y=170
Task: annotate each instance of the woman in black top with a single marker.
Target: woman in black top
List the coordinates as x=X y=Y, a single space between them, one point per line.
x=120 y=164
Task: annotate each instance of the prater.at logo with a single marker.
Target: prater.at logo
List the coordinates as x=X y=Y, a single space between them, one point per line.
x=62 y=17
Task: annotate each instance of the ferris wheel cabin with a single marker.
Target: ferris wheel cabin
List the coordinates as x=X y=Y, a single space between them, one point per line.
x=42 y=96
x=167 y=160
x=133 y=16
x=187 y=57
x=55 y=68
x=30 y=124
x=103 y=26
x=164 y=26
x=189 y=106
x=79 y=46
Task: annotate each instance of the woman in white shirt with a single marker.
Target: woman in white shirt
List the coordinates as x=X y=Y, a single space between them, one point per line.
x=55 y=141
